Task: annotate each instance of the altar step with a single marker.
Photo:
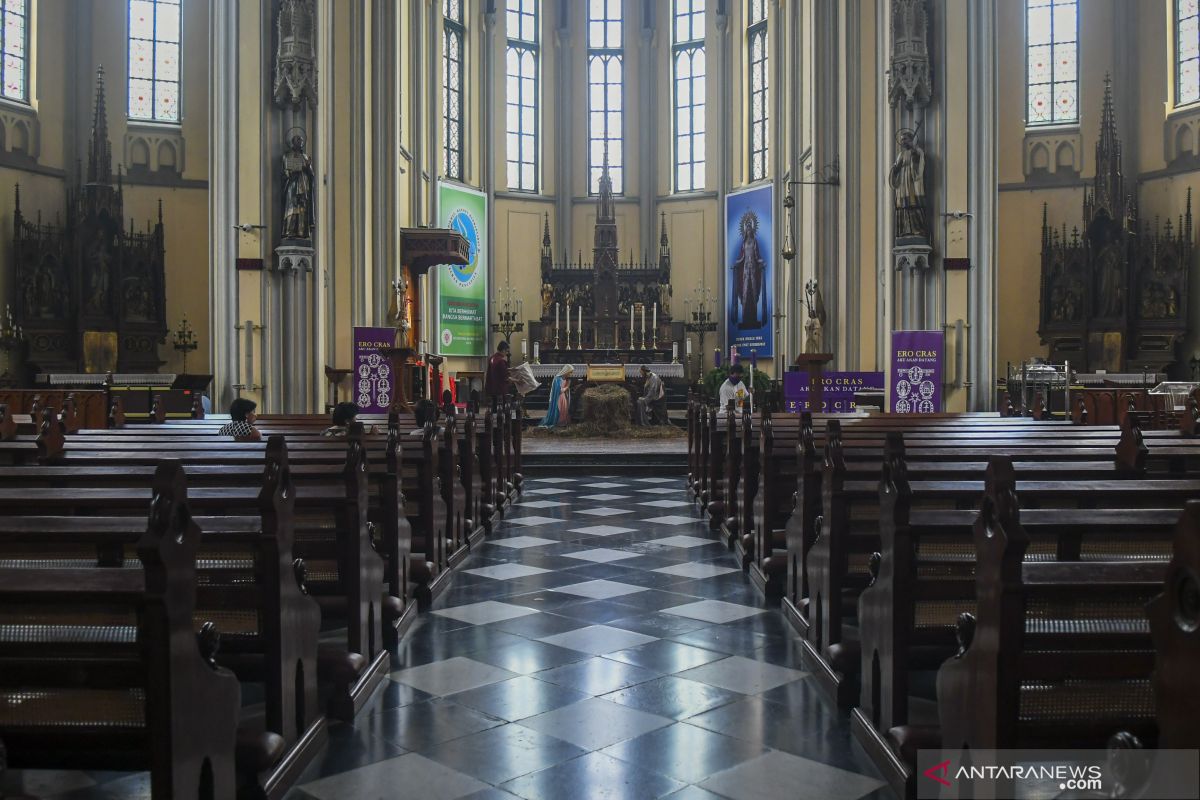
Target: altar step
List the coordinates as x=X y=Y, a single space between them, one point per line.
x=540 y=457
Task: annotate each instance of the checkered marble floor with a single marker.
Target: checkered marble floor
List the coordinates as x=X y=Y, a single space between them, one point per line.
x=602 y=643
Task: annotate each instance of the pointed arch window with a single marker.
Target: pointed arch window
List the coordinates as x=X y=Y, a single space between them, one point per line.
x=454 y=36
x=522 y=95
x=154 y=44
x=1187 y=52
x=687 y=54
x=1052 y=62
x=606 y=82
x=756 y=42
x=14 y=49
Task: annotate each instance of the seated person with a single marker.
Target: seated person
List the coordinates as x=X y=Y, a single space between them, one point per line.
x=425 y=411
x=735 y=391
x=648 y=409
x=345 y=415
x=242 y=419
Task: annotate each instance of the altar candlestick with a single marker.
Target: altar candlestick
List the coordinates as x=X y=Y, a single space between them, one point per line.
x=674 y=352
x=654 y=325
x=631 y=326
x=579 y=327
x=556 y=322
x=643 y=327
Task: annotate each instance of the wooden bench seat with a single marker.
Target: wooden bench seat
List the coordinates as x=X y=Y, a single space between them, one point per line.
x=149 y=698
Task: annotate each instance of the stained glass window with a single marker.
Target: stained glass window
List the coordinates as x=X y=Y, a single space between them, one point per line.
x=1052 y=61
x=688 y=76
x=454 y=35
x=522 y=95
x=606 y=57
x=1187 y=51
x=14 y=48
x=154 y=40
x=756 y=39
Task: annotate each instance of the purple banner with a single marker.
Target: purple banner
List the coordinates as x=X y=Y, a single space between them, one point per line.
x=373 y=379
x=837 y=390
x=916 y=372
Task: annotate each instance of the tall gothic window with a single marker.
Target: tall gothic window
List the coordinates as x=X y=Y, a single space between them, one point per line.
x=154 y=60
x=1052 y=61
x=605 y=93
x=1187 y=51
x=14 y=49
x=454 y=35
x=756 y=40
x=522 y=94
x=688 y=65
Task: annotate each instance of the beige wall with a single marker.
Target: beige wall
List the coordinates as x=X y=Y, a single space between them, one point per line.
x=72 y=37
x=1132 y=41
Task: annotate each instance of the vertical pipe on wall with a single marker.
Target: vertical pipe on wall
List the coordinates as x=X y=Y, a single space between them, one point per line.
x=885 y=299
x=222 y=198
x=981 y=126
x=323 y=305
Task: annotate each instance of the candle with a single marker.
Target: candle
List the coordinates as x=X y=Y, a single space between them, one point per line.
x=579 y=327
x=717 y=357
x=733 y=354
x=556 y=320
x=524 y=344
x=631 y=324
x=537 y=352
x=753 y=359
x=643 y=325
x=689 y=348
x=674 y=352
x=654 y=326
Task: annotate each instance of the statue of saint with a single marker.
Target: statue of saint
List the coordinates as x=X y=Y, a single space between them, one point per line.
x=299 y=213
x=815 y=324
x=749 y=307
x=908 y=179
x=547 y=300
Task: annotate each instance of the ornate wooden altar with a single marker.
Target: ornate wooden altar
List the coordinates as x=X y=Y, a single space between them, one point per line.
x=90 y=296
x=421 y=249
x=1114 y=294
x=606 y=311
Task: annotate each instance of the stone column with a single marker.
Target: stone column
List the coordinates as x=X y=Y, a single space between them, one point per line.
x=222 y=199
x=827 y=137
x=981 y=280
x=647 y=135
x=564 y=129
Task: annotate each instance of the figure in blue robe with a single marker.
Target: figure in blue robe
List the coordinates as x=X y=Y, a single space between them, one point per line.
x=559 y=413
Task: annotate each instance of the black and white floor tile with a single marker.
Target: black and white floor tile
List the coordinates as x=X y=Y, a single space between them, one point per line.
x=601 y=644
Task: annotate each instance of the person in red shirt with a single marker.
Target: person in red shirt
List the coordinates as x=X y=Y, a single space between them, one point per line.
x=496 y=383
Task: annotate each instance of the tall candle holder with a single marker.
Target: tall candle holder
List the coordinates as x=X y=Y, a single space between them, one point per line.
x=11 y=336
x=184 y=341
x=509 y=315
x=698 y=319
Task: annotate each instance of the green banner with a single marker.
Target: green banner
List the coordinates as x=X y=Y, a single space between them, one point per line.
x=462 y=289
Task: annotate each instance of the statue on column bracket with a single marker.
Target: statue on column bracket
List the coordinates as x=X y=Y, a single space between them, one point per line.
x=296 y=54
x=814 y=327
x=299 y=218
x=908 y=179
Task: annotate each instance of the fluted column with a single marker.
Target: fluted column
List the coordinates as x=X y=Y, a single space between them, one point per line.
x=222 y=199
x=981 y=127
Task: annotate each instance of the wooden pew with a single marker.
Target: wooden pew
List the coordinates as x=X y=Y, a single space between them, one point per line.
x=345 y=573
x=147 y=697
x=1058 y=655
x=253 y=592
x=1175 y=628
x=924 y=577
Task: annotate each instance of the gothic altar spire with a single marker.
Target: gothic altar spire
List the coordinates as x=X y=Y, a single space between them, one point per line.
x=1108 y=187
x=547 y=250
x=99 y=149
x=607 y=211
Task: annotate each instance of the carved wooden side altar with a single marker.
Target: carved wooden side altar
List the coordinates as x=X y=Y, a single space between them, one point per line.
x=421 y=249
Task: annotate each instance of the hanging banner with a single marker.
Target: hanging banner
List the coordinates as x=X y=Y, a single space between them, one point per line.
x=462 y=288
x=750 y=270
x=837 y=390
x=373 y=379
x=916 y=372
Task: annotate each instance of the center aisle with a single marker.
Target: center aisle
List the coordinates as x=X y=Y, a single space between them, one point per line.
x=602 y=643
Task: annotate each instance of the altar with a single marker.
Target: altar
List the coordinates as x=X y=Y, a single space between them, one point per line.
x=608 y=311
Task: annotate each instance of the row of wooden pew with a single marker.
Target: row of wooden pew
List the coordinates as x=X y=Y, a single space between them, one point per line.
x=210 y=642
x=971 y=581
